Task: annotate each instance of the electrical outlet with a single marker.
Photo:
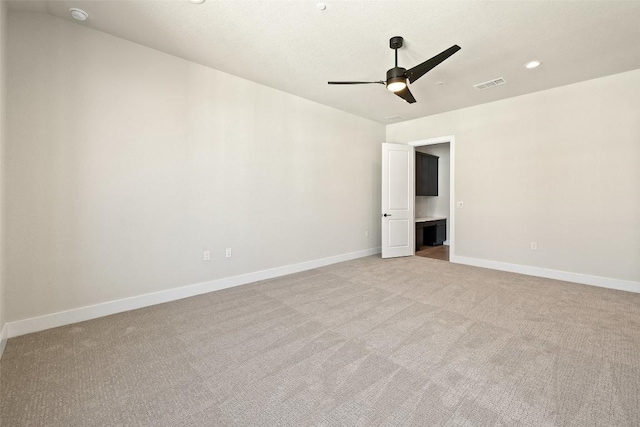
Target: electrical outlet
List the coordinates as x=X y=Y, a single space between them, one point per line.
x=366 y=233
x=534 y=246
x=228 y=253
x=206 y=256
x=459 y=205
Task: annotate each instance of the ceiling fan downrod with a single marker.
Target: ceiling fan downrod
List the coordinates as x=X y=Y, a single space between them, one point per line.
x=396 y=43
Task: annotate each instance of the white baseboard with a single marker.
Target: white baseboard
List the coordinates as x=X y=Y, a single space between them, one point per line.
x=54 y=320
x=585 y=279
x=3 y=338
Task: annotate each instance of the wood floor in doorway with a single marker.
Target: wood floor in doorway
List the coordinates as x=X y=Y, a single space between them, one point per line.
x=434 y=252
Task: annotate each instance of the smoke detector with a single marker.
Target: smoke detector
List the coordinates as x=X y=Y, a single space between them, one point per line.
x=78 y=14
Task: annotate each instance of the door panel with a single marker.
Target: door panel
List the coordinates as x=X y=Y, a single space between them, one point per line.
x=397 y=235
x=398 y=181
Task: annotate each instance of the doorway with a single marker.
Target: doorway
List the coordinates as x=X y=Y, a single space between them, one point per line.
x=400 y=234
x=434 y=202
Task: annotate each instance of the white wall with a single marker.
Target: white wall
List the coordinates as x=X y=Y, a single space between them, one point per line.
x=437 y=205
x=560 y=167
x=3 y=54
x=124 y=164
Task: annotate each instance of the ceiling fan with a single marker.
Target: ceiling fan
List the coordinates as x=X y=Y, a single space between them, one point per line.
x=397 y=76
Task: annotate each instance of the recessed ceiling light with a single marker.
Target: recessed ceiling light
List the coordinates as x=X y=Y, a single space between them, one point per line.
x=440 y=83
x=196 y=1
x=321 y=6
x=532 y=64
x=78 y=14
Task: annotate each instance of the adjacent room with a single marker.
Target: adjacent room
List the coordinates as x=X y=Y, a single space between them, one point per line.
x=319 y=213
x=432 y=200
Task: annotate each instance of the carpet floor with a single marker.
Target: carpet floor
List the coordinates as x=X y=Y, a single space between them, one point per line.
x=369 y=342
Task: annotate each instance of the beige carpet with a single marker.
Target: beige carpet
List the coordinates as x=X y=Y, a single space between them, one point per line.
x=369 y=342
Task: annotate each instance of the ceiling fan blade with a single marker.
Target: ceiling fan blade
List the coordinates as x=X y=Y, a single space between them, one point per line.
x=421 y=69
x=406 y=95
x=356 y=83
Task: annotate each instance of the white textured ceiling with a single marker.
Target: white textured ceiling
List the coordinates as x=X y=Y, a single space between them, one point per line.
x=293 y=46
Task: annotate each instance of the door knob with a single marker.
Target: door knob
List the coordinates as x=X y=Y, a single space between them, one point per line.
x=386 y=215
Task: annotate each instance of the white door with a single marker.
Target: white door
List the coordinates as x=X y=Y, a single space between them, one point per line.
x=398 y=193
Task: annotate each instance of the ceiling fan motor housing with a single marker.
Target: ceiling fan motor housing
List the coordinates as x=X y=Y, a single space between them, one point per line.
x=396 y=74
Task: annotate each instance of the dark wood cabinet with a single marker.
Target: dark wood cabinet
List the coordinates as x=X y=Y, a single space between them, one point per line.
x=426 y=174
x=436 y=234
x=441 y=233
x=431 y=233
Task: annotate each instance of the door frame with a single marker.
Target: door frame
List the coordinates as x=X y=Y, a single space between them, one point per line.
x=451 y=139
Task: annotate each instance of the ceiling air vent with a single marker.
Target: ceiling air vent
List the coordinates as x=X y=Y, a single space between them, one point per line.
x=393 y=119
x=491 y=83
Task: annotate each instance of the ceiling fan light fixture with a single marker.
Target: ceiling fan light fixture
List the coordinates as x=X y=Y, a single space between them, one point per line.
x=396 y=84
x=396 y=79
